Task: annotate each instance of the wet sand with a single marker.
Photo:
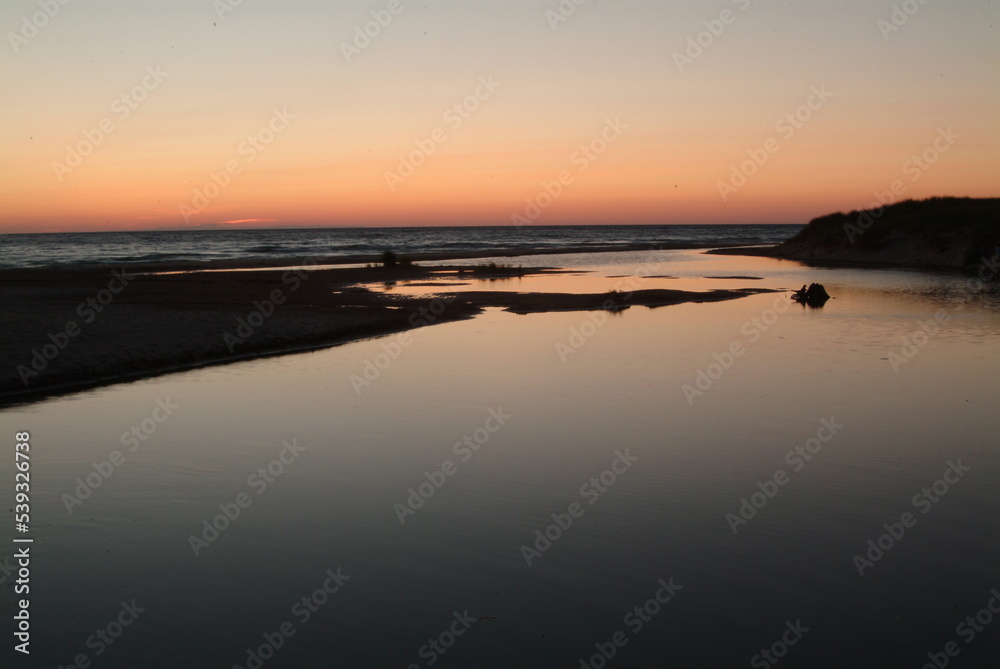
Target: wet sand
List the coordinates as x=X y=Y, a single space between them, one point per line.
x=68 y=329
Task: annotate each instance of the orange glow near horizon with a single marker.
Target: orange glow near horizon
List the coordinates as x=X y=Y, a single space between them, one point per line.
x=328 y=131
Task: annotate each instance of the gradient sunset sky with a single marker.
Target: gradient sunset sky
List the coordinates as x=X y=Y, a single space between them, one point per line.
x=201 y=77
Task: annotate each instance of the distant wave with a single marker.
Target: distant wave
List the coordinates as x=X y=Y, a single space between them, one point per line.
x=68 y=249
x=266 y=248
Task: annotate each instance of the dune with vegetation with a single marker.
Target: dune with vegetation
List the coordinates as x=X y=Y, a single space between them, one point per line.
x=936 y=233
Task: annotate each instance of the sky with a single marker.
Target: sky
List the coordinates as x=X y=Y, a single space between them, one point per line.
x=134 y=114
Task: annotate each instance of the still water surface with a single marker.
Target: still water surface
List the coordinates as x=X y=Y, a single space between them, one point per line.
x=567 y=417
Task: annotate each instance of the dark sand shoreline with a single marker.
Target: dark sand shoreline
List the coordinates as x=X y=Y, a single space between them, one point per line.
x=68 y=329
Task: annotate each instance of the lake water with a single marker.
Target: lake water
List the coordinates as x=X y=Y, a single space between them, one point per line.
x=549 y=401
